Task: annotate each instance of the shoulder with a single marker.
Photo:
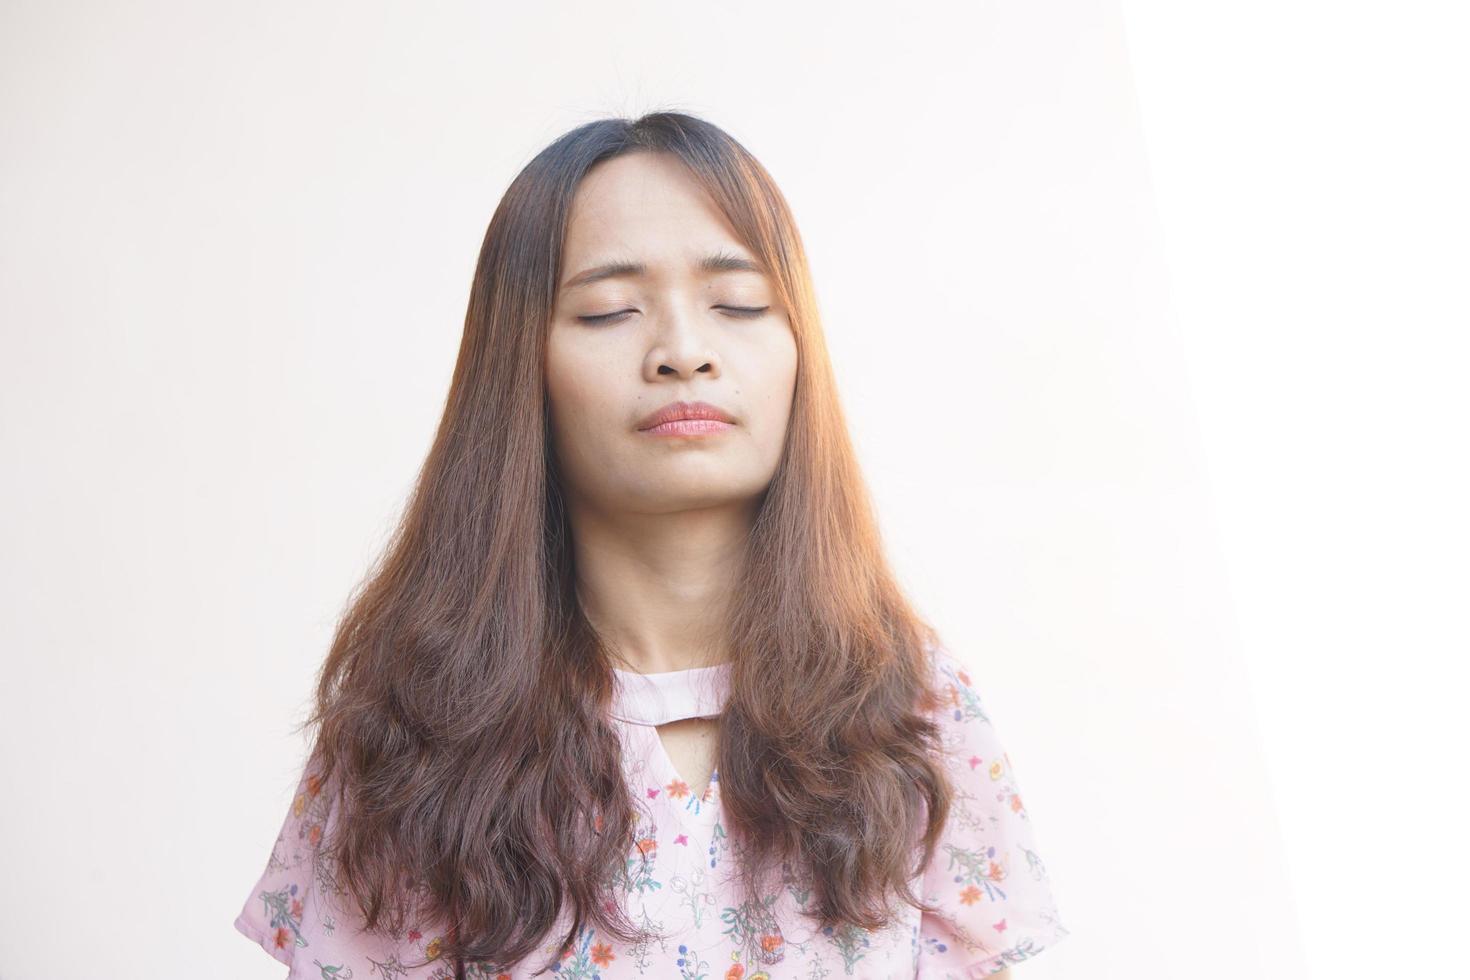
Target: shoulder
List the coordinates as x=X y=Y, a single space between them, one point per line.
x=994 y=905
x=298 y=904
x=952 y=680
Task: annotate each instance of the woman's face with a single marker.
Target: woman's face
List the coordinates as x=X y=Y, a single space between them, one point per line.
x=674 y=331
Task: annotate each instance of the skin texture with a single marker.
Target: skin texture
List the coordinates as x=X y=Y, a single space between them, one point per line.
x=659 y=523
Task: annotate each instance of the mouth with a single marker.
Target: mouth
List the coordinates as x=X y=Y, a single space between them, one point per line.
x=687 y=419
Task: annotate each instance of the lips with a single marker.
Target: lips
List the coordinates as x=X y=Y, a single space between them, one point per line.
x=680 y=411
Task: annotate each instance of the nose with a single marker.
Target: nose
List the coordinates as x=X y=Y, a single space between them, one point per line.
x=680 y=347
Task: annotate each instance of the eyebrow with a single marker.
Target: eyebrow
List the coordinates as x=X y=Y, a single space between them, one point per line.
x=715 y=262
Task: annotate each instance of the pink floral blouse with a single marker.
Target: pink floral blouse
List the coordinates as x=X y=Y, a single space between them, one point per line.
x=996 y=906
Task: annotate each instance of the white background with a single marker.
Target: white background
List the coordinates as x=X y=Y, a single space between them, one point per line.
x=1151 y=332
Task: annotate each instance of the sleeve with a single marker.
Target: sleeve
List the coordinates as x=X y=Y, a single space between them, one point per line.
x=986 y=875
x=298 y=913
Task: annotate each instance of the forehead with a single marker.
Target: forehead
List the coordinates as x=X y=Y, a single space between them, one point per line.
x=644 y=207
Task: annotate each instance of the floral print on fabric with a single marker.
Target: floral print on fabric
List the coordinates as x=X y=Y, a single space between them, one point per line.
x=986 y=877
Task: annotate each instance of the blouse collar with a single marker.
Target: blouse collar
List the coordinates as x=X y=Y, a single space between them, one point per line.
x=671 y=695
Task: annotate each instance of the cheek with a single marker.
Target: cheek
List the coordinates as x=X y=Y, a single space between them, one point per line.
x=566 y=397
x=584 y=397
x=776 y=381
x=570 y=380
x=765 y=379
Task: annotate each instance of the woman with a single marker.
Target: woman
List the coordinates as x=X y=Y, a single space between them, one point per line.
x=632 y=691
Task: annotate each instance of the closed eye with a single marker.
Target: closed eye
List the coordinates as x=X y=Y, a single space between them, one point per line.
x=744 y=312
x=604 y=317
x=740 y=312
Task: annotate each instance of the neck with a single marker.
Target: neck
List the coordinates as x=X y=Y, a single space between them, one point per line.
x=657 y=587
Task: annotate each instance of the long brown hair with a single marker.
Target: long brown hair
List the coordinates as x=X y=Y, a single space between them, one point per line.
x=462 y=710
